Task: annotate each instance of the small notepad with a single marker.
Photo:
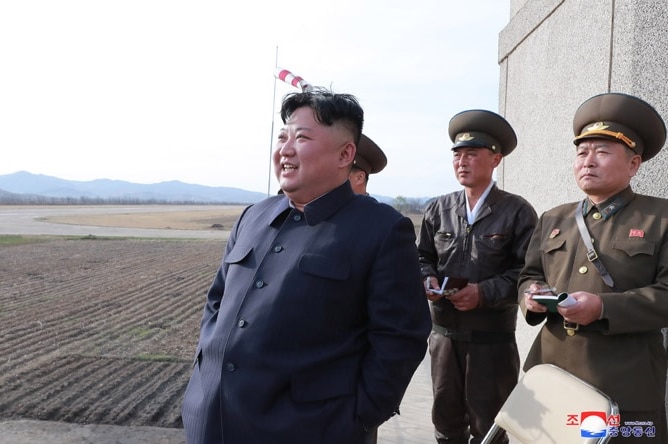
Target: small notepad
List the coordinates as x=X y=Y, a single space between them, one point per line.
x=552 y=300
x=450 y=286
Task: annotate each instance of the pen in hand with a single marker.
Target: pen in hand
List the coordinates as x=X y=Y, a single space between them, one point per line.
x=541 y=291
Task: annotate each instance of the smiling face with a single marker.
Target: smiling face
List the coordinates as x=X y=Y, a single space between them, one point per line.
x=603 y=168
x=311 y=159
x=474 y=166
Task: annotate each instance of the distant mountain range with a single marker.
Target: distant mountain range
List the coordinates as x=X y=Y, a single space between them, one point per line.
x=25 y=187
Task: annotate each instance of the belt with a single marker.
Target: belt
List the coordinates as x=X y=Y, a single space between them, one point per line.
x=476 y=337
x=573 y=327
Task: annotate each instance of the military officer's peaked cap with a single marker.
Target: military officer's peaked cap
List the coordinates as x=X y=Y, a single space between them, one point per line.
x=624 y=118
x=369 y=158
x=477 y=128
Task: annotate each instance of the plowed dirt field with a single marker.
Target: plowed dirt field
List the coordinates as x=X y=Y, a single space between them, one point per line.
x=100 y=330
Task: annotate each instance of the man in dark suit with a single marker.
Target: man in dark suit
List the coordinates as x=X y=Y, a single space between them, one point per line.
x=616 y=269
x=316 y=319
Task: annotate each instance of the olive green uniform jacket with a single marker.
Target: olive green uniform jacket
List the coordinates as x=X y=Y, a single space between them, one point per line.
x=622 y=354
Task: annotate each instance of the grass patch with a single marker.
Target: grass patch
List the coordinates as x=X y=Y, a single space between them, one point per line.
x=13 y=239
x=16 y=239
x=93 y=237
x=142 y=331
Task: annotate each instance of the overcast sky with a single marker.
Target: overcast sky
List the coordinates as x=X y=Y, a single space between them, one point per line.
x=155 y=90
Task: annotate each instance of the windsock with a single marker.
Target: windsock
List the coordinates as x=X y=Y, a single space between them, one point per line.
x=296 y=81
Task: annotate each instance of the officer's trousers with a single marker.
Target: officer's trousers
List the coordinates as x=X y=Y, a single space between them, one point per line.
x=471 y=381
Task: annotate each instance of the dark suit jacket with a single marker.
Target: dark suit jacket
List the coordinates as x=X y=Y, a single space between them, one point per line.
x=313 y=326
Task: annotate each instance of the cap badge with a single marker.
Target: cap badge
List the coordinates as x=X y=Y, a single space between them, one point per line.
x=465 y=137
x=554 y=233
x=634 y=232
x=598 y=126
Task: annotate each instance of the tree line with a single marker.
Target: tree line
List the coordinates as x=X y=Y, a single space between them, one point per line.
x=409 y=205
x=404 y=205
x=22 y=199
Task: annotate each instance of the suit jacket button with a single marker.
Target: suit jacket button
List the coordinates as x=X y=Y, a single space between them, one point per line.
x=241 y=323
x=229 y=366
x=259 y=283
x=583 y=270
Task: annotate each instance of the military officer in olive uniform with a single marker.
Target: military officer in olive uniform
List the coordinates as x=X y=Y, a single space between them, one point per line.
x=615 y=266
x=480 y=234
x=370 y=159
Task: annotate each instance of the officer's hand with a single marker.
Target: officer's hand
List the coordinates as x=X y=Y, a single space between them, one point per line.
x=529 y=303
x=467 y=298
x=587 y=310
x=431 y=282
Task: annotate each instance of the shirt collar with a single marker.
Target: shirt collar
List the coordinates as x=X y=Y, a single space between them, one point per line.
x=610 y=206
x=319 y=209
x=327 y=204
x=472 y=213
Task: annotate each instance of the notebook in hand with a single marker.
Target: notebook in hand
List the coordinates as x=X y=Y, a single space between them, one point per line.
x=552 y=300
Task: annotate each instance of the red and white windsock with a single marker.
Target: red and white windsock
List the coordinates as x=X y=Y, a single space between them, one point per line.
x=296 y=81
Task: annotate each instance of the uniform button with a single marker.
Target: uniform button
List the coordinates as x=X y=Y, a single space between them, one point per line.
x=241 y=323
x=278 y=249
x=259 y=283
x=297 y=217
x=596 y=216
x=230 y=367
x=583 y=270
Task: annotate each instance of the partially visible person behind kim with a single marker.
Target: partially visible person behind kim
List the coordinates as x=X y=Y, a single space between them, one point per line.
x=316 y=319
x=611 y=337
x=369 y=159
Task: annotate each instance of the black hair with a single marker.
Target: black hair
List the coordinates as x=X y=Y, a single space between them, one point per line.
x=329 y=108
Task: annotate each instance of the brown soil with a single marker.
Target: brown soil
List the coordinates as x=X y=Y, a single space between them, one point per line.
x=221 y=218
x=101 y=331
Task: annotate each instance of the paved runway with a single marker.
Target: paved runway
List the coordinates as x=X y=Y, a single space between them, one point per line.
x=29 y=220
x=414 y=426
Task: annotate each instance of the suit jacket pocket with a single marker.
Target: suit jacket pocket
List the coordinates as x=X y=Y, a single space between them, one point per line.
x=324 y=266
x=552 y=245
x=238 y=253
x=324 y=382
x=635 y=247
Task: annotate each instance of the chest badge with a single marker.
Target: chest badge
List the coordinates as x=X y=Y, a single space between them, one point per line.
x=554 y=233
x=634 y=232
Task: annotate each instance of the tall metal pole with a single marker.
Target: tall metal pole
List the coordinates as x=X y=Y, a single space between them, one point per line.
x=273 y=116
